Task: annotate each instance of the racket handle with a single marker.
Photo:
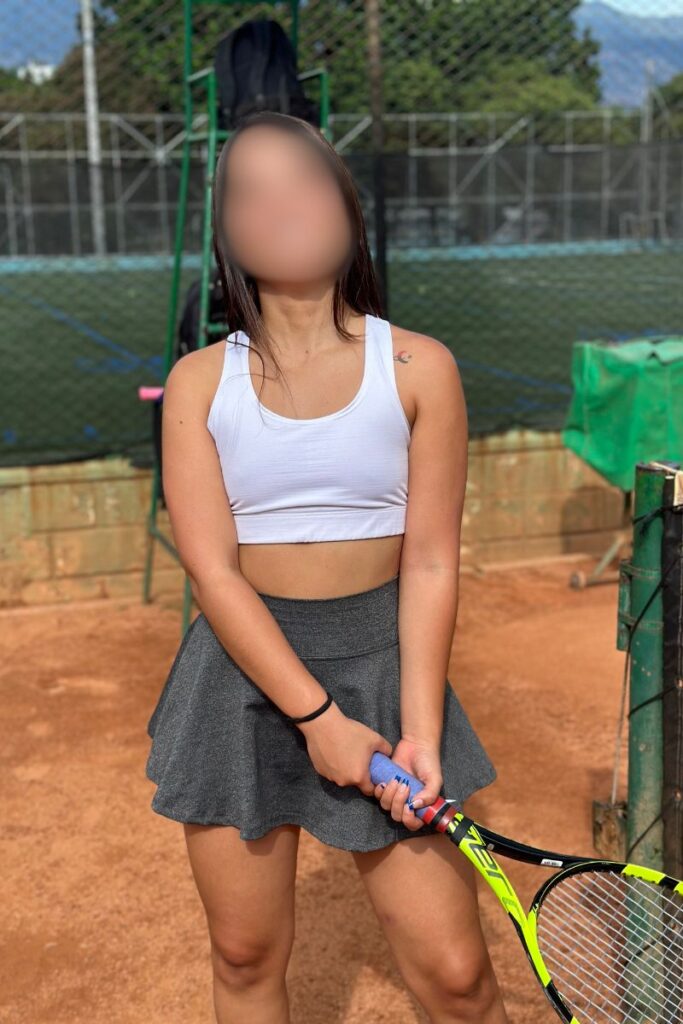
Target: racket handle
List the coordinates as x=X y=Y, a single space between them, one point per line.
x=383 y=769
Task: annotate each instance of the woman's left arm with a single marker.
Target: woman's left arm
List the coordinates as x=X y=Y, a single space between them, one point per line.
x=430 y=562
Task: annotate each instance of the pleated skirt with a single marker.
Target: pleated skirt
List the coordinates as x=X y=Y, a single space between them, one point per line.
x=223 y=754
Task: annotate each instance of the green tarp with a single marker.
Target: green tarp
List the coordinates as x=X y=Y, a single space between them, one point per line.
x=626 y=406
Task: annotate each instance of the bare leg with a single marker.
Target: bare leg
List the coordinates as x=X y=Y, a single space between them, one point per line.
x=247 y=889
x=424 y=894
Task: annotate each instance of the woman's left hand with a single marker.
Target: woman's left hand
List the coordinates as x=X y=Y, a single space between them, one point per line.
x=423 y=760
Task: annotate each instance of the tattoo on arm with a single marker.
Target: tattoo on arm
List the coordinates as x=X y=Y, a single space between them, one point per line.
x=402 y=356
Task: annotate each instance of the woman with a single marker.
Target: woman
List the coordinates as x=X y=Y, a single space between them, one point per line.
x=289 y=507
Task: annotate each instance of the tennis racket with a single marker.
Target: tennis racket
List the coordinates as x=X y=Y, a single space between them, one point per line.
x=604 y=938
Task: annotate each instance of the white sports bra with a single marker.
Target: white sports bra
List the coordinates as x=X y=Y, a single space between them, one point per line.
x=338 y=477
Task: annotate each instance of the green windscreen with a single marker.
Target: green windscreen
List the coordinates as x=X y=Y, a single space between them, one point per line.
x=626 y=405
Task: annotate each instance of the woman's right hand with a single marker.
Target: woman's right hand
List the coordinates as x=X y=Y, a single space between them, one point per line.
x=341 y=748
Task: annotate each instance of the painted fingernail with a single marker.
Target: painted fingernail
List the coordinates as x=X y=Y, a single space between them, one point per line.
x=416 y=803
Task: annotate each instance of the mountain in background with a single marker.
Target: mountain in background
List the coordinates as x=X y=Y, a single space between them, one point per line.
x=627 y=42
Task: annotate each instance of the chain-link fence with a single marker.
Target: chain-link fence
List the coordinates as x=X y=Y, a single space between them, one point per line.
x=531 y=191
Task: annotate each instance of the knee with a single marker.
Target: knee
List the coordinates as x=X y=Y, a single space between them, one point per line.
x=464 y=980
x=240 y=962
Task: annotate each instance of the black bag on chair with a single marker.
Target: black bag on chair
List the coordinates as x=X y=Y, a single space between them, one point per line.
x=188 y=328
x=256 y=70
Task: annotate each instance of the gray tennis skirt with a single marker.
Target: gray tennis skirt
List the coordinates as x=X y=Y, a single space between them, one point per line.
x=223 y=754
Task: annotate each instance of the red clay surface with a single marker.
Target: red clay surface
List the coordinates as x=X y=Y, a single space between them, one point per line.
x=101 y=920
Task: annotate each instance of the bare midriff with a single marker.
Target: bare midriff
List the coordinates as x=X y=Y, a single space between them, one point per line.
x=321 y=568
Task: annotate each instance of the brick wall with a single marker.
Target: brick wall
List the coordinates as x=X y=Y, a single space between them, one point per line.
x=78 y=530
x=529 y=496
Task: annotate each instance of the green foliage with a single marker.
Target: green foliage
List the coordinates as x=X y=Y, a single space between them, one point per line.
x=672 y=93
x=470 y=37
x=15 y=93
x=668 y=109
x=524 y=86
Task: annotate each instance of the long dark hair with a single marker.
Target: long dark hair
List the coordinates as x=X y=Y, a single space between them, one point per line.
x=356 y=284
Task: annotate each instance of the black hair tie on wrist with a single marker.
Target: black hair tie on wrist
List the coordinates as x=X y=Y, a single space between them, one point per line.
x=313 y=714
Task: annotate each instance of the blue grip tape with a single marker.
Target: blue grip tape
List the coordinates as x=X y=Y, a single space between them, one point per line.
x=383 y=769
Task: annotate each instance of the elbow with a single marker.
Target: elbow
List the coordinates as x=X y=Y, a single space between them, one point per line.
x=436 y=551
x=212 y=578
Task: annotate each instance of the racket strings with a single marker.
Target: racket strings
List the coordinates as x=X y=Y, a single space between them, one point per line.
x=577 y=928
x=648 y=979
x=640 y=928
x=641 y=940
x=581 y=993
x=613 y=945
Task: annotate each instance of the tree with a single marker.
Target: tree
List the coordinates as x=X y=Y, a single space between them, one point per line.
x=668 y=108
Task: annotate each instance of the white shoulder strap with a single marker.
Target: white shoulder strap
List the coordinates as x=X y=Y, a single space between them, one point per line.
x=385 y=344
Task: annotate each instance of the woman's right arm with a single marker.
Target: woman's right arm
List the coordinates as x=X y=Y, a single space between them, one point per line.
x=205 y=536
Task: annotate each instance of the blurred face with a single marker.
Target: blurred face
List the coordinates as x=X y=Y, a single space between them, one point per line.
x=283 y=212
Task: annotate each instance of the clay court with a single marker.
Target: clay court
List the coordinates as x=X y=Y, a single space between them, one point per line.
x=102 y=922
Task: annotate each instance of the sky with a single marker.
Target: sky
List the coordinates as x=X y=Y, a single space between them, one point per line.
x=655 y=8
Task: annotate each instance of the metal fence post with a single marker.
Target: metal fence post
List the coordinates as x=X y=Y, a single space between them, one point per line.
x=640 y=619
